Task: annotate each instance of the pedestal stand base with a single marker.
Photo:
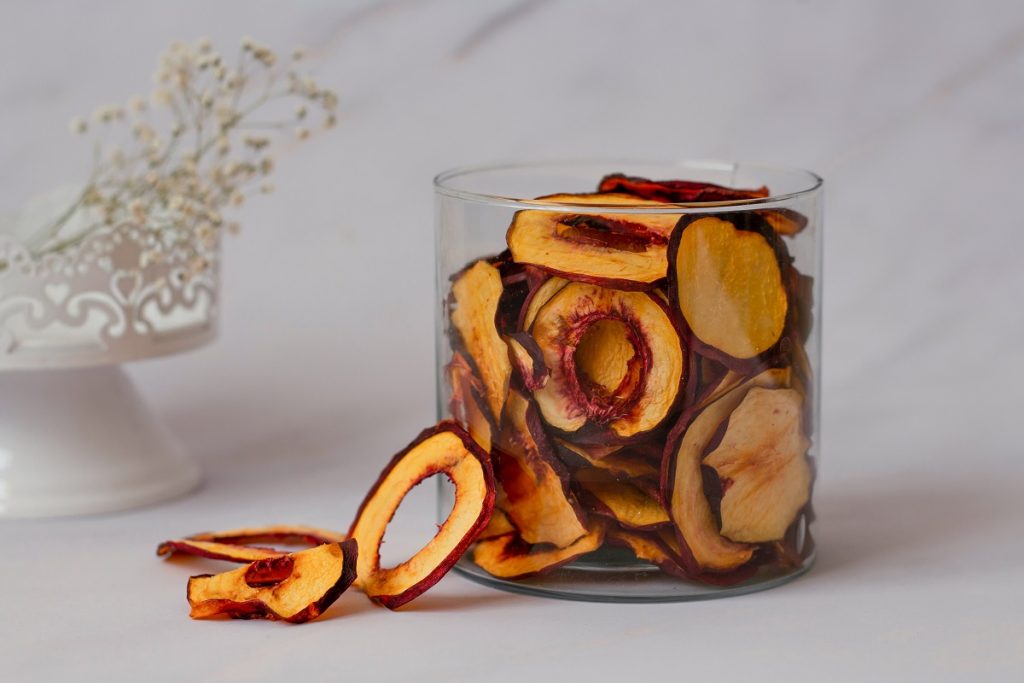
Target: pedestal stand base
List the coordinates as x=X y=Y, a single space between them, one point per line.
x=83 y=441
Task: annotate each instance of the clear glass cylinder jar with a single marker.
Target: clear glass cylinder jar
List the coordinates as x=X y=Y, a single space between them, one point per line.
x=641 y=358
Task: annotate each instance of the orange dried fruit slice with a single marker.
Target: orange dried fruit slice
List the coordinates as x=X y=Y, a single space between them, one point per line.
x=297 y=587
x=445 y=449
x=474 y=307
x=509 y=557
x=727 y=282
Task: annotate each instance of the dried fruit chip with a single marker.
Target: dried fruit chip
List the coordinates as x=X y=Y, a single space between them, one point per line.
x=627 y=504
x=649 y=547
x=509 y=557
x=679 y=191
x=467 y=403
x=538 y=298
x=617 y=460
x=761 y=461
x=447 y=449
x=682 y=480
x=528 y=360
x=615 y=358
x=228 y=552
x=498 y=526
x=534 y=488
x=295 y=588
x=615 y=249
x=278 y=533
x=728 y=284
x=475 y=295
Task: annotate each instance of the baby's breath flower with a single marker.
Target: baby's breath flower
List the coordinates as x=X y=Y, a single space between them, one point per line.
x=183 y=164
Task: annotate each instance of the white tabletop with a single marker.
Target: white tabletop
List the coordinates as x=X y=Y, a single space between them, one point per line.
x=912 y=111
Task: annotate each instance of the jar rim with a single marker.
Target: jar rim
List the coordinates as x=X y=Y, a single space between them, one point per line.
x=445 y=184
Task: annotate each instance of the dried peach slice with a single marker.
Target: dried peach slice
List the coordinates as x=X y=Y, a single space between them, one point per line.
x=682 y=481
x=648 y=547
x=239 y=545
x=615 y=357
x=783 y=221
x=277 y=533
x=509 y=557
x=534 y=489
x=538 y=298
x=475 y=295
x=727 y=282
x=627 y=504
x=761 y=462
x=498 y=526
x=617 y=460
x=229 y=552
x=296 y=587
x=621 y=250
x=528 y=360
x=447 y=449
x=466 y=404
x=678 y=191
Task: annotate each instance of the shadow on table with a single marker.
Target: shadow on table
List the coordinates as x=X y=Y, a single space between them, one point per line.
x=905 y=522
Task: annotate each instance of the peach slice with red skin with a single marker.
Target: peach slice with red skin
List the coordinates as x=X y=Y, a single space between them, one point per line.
x=475 y=296
x=509 y=557
x=239 y=545
x=445 y=449
x=700 y=536
x=620 y=250
x=467 y=405
x=726 y=279
x=615 y=360
x=619 y=461
x=761 y=460
x=534 y=485
x=528 y=360
x=297 y=587
x=623 y=501
x=783 y=221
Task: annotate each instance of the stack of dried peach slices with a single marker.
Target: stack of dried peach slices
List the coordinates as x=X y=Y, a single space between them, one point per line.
x=633 y=379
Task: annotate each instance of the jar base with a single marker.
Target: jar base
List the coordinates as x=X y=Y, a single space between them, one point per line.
x=632 y=582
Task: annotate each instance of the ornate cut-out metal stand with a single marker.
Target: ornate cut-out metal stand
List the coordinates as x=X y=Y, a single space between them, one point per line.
x=75 y=436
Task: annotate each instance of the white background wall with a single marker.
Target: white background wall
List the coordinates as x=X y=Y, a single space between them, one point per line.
x=913 y=112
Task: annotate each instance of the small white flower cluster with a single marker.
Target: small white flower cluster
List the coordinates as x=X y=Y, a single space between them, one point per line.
x=194 y=147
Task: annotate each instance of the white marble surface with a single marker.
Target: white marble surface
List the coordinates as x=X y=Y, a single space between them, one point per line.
x=914 y=113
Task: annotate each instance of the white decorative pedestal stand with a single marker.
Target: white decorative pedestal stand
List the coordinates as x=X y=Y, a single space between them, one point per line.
x=75 y=435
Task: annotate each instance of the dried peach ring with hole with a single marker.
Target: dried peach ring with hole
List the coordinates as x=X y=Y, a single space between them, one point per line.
x=445 y=449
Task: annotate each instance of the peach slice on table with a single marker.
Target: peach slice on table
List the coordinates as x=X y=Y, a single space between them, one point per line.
x=615 y=359
x=242 y=545
x=296 y=587
x=445 y=449
x=615 y=249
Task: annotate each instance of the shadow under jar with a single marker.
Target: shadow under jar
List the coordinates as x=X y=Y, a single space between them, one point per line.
x=636 y=345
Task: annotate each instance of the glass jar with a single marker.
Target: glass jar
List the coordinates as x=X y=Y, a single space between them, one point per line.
x=641 y=359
